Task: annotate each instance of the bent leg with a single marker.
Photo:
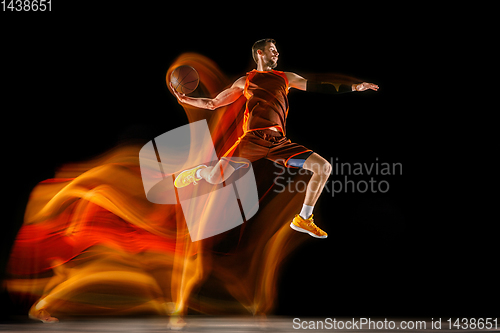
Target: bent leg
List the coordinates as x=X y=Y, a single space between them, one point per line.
x=218 y=173
x=321 y=169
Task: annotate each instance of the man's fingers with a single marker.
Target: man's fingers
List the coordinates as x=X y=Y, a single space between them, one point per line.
x=365 y=86
x=370 y=86
x=175 y=92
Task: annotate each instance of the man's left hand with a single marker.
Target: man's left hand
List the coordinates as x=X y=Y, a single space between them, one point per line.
x=365 y=86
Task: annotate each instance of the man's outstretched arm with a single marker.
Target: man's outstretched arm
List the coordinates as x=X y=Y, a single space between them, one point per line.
x=298 y=82
x=226 y=97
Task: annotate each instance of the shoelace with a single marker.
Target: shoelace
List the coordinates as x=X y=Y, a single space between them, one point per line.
x=314 y=227
x=191 y=179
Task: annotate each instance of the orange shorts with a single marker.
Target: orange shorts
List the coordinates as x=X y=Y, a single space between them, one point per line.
x=271 y=145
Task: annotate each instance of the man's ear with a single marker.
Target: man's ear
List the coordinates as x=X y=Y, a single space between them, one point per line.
x=260 y=52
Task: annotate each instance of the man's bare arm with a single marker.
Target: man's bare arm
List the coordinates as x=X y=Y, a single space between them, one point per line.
x=298 y=82
x=226 y=97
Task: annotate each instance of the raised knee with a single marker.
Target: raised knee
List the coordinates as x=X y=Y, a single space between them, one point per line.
x=326 y=169
x=322 y=168
x=318 y=165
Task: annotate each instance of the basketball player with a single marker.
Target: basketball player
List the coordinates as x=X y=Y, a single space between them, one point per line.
x=264 y=129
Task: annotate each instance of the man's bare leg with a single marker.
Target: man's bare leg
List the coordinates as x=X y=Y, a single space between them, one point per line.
x=303 y=221
x=218 y=173
x=321 y=169
x=213 y=174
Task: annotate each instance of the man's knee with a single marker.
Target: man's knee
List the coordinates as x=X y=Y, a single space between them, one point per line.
x=318 y=165
x=326 y=169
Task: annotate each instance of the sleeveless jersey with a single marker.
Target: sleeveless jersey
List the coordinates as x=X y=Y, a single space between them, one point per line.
x=267 y=100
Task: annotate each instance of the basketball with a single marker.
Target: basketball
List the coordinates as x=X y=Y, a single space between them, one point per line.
x=185 y=79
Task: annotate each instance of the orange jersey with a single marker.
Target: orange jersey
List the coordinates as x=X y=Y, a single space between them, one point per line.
x=267 y=100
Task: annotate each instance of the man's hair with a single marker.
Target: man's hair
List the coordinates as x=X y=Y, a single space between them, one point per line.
x=260 y=45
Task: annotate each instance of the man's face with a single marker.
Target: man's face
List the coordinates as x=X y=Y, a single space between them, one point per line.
x=270 y=55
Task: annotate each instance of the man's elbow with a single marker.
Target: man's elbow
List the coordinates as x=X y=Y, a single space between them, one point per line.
x=211 y=105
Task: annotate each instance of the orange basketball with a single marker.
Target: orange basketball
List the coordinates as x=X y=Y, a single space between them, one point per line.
x=185 y=79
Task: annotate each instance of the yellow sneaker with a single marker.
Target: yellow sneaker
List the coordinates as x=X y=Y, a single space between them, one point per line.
x=188 y=176
x=307 y=226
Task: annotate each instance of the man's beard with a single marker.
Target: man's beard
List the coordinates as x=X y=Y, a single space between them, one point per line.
x=272 y=64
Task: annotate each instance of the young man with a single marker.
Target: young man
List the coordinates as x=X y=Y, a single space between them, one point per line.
x=266 y=110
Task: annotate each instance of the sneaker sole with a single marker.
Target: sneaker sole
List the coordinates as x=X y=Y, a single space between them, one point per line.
x=299 y=229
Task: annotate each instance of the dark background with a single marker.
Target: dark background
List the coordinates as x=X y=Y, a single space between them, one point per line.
x=83 y=78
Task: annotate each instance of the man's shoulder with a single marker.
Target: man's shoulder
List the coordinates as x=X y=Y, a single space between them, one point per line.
x=240 y=83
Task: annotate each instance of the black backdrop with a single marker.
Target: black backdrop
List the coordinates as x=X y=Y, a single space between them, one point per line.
x=85 y=77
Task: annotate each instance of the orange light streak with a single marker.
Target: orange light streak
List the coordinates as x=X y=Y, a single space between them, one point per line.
x=92 y=243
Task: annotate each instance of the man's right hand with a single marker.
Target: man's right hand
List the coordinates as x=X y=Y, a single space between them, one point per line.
x=180 y=97
x=226 y=97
